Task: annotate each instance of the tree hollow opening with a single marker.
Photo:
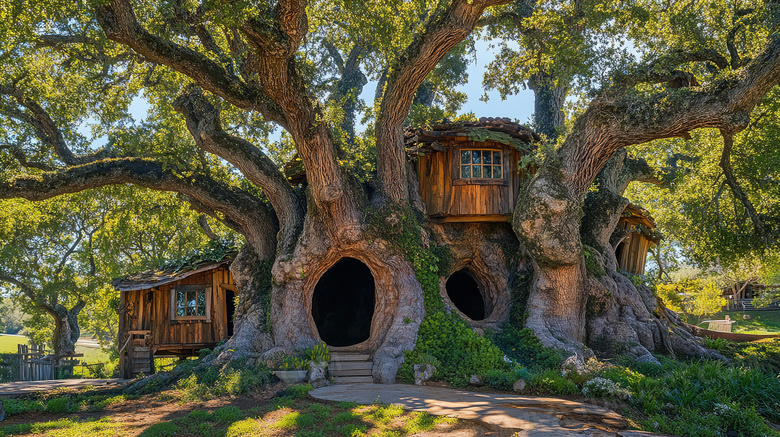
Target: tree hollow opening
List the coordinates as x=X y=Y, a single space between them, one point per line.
x=343 y=303
x=464 y=292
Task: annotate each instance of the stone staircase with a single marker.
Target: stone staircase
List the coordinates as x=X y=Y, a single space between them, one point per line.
x=350 y=368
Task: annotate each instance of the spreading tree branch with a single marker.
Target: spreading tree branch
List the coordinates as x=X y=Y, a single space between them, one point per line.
x=239 y=207
x=613 y=122
x=118 y=20
x=203 y=122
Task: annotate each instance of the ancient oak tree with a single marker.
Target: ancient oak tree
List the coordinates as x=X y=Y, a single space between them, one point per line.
x=219 y=77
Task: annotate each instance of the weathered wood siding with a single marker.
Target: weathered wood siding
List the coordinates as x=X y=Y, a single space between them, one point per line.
x=446 y=197
x=150 y=310
x=632 y=252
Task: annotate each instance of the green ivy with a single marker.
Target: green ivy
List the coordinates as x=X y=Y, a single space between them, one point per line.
x=460 y=351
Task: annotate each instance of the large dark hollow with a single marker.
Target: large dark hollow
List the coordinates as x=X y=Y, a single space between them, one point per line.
x=464 y=293
x=343 y=303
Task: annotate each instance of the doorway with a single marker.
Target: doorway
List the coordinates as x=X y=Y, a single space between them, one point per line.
x=343 y=303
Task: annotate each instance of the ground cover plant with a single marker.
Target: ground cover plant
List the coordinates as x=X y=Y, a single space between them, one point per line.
x=102 y=413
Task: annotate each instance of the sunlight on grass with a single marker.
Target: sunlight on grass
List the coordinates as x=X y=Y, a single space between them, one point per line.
x=246 y=427
x=67 y=428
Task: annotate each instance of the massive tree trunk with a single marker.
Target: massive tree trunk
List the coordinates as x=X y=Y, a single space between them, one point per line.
x=66 y=328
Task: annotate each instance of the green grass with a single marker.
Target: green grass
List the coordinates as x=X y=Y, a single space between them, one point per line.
x=760 y=322
x=8 y=344
x=67 y=428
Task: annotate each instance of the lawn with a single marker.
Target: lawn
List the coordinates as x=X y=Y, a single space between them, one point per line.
x=106 y=413
x=91 y=355
x=760 y=322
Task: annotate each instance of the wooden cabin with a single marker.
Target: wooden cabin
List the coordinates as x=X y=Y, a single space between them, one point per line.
x=468 y=171
x=173 y=312
x=631 y=253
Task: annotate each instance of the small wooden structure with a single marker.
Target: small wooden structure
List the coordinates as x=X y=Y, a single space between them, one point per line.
x=37 y=364
x=631 y=253
x=173 y=312
x=468 y=171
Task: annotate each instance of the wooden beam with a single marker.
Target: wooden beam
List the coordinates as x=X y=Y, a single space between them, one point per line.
x=230 y=287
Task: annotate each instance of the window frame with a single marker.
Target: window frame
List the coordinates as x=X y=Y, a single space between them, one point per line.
x=206 y=289
x=456 y=164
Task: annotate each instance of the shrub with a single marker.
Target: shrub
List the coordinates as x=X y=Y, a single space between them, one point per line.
x=551 y=382
x=58 y=405
x=605 y=388
x=522 y=346
x=318 y=353
x=460 y=351
x=500 y=379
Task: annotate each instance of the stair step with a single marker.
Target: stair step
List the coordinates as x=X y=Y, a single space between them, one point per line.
x=353 y=380
x=351 y=365
x=348 y=357
x=357 y=372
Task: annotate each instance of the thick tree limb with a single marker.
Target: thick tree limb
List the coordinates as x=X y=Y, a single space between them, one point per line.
x=119 y=22
x=45 y=128
x=612 y=123
x=204 y=124
x=444 y=30
x=237 y=206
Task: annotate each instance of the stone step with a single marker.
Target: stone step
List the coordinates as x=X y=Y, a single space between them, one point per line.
x=353 y=372
x=353 y=380
x=348 y=357
x=350 y=365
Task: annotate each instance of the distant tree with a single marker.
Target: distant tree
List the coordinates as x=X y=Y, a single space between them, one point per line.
x=692 y=297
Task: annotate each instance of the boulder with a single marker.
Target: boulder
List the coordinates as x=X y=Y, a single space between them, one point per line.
x=423 y=372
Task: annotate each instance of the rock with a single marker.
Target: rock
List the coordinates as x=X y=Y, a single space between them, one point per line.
x=519 y=385
x=476 y=380
x=423 y=372
x=746 y=316
x=318 y=376
x=573 y=363
x=479 y=331
x=648 y=358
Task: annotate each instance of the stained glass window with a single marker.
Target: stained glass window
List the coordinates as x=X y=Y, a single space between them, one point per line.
x=480 y=164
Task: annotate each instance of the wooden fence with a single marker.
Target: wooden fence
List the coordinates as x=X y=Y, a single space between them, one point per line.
x=36 y=364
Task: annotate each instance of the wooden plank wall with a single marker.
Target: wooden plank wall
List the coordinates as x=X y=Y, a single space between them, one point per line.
x=633 y=255
x=150 y=310
x=443 y=198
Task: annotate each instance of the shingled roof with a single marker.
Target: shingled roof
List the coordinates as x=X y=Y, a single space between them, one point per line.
x=637 y=215
x=463 y=130
x=157 y=277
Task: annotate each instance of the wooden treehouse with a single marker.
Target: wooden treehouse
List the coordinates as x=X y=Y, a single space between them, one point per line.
x=640 y=235
x=173 y=312
x=468 y=171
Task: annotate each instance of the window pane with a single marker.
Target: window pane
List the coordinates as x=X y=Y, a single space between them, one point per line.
x=496 y=157
x=475 y=157
x=201 y=310
x=181 y=297
x=180 y=311
x=477 y=171
x=486 y=157
x=485 y=171
x=465 y=171
x=201 y=297
x=497 y=171
x=465 y=157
